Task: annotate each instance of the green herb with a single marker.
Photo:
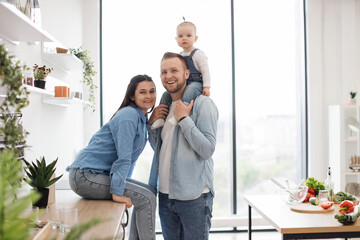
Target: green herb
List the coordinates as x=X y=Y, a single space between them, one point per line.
x=341 y=196
x=314 y=184
x=348 y=218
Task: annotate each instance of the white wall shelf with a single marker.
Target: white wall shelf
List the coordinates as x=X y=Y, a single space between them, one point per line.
x=58 y=101
x=344 y=143
x=37 y=90
x=62 y=101
x=351 y=139
x=65 y=62
x=15 y=26
x=352 y=173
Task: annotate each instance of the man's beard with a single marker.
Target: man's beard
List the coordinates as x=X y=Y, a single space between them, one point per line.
x=178 y=87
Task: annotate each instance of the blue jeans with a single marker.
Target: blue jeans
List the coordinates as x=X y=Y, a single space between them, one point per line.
x=97 y=186
x=185 y=220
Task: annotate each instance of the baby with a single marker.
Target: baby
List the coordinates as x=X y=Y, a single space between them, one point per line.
x=196 y=60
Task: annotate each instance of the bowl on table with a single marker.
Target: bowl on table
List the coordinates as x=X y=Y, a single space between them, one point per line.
x=293 y=196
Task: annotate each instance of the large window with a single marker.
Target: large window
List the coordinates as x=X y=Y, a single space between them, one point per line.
x=267 y=78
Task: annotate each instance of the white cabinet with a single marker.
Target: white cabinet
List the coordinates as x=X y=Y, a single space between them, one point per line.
x=344 y=143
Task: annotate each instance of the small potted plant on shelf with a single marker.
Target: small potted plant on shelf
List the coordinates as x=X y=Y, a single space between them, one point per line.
x=353 y=98
x=40 y=74
x=39 y=177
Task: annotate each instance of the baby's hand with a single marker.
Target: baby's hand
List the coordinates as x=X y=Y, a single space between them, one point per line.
x=206 y=91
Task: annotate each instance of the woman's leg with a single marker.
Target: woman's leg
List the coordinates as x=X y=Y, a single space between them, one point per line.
x=143 y=198
x=90 y=185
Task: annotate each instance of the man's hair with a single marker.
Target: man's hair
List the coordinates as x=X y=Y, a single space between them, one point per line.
x=169 y=55
x=186 y=23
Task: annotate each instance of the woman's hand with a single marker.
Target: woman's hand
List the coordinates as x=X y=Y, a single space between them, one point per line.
x=160 y=111
x=122 y=199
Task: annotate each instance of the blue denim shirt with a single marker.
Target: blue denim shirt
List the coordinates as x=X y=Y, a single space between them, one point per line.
x=114 y=149
x=191 y=164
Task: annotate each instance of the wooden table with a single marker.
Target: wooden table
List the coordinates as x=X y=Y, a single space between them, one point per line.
x=112 y=212
x=295 y=225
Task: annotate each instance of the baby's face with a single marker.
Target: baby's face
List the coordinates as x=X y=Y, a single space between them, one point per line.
x=186 y=37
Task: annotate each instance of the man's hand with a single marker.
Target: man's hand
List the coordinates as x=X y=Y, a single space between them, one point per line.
x=122 y=199
x=160 y=111
x=181 y=110
x=206 y=91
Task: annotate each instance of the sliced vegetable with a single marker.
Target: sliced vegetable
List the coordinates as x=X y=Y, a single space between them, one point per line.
x=346 y=207
x=326 y=204
x=314 y=201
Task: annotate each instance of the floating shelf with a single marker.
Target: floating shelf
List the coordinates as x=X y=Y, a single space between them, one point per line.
x=352 y=172
x=18 y=27
x=351 y=139
x=66 y=62
x=37 y=90
x=62 y=101
x=58 y=101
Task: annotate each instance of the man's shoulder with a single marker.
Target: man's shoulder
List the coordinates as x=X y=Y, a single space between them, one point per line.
x=203 y=100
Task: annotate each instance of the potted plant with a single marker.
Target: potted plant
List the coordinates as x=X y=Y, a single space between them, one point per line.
x=88 y=72
x=39 y=177
x=353 y=98
x=40 y=74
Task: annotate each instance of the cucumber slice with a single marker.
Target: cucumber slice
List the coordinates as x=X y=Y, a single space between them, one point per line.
x=314 y=201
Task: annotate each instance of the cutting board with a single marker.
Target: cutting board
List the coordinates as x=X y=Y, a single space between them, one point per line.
x=310 y=208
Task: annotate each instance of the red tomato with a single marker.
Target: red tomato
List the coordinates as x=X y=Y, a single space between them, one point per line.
x=311 y=191
x=326 y=204
x=308 y=195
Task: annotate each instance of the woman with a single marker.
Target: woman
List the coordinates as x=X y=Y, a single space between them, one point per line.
x=103 y=169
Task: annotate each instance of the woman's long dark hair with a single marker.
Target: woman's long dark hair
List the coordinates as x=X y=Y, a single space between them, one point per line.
x=130 y=91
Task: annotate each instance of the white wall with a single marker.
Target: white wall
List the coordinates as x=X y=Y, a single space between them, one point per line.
x=333 y=60
x=61 y=131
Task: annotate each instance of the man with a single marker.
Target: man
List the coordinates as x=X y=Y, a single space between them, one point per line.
x=182 y=163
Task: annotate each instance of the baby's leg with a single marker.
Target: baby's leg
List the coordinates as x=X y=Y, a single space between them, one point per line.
x=192 y=90
x=165 y=99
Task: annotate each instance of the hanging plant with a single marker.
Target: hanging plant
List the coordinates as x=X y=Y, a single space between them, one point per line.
x=88 y=72
x=15 y=99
